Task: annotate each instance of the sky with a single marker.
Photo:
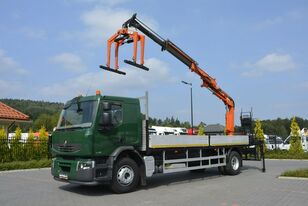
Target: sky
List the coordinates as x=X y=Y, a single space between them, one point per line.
x=256 y=50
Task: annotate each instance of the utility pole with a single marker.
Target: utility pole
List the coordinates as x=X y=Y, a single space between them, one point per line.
x=191 y=106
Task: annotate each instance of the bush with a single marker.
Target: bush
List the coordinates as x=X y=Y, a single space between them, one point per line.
x=258 y=131
x=25 y=164
x=296 y=143
x=284 y=154
x=29 y=146
x=4 y=148
x=201 y=129
x=43 y=145
x=296 y=173
x=21 y=150
x=15 y=147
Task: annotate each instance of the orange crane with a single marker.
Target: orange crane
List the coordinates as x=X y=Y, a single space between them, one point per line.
x=126 y=36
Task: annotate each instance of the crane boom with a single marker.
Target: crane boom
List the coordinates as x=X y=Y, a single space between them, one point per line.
x=125 y=36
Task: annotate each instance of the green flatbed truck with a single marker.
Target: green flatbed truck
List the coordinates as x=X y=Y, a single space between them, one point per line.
x=105 y=139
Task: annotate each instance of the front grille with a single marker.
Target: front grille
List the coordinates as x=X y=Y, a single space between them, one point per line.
x=65 y=166
x=67 y=147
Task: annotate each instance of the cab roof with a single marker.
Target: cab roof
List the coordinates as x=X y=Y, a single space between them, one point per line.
x=110 y=98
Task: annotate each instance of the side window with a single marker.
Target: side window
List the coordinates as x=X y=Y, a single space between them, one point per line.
x=116 y=114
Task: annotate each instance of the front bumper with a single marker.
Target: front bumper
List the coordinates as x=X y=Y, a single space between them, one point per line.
x=93 y=183
x=70 y=171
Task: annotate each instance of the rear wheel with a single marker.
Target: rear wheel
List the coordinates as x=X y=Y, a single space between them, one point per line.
x=233 y=166
x=125 y=176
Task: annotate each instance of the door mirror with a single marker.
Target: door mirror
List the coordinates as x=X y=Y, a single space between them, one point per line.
x=106 y=106
x=105 y=119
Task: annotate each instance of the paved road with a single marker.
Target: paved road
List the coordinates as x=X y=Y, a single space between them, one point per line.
x=251 y=187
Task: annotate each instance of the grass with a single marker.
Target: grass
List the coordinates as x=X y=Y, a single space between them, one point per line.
x=296 y=173
x=283 y=154
x=25 y=164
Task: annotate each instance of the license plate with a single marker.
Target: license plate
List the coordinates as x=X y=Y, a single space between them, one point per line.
x=63 y=176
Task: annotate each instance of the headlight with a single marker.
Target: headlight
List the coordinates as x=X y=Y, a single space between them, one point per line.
x=53 y=162
x=85 y=165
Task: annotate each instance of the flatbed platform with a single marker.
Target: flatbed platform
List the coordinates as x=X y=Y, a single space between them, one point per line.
x=176 y=141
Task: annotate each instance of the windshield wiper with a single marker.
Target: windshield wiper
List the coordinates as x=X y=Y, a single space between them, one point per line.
x=70 y=128
x=81 y=126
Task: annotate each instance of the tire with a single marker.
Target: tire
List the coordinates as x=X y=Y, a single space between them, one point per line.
x=222 y=170
x=234 y=163
x=125 y=176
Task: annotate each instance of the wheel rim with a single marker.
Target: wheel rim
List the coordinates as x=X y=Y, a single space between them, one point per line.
x=125 y=175
x=235 y=163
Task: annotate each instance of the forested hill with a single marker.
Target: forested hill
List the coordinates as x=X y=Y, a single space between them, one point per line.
x=34 y=108
x=47 y=114
x=281 y=127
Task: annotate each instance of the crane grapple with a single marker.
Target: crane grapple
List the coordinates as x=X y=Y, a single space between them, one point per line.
x=121 y=37
x=126 y=36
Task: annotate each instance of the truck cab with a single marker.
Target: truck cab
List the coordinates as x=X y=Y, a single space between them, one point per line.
x=90 y=131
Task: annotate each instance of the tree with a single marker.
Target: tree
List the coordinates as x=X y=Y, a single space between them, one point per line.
x=4 y=148
x=259 y=134
x=296 y=143
x=43 y=134
x=2 y=133
x=29 y=146
x=259 y=131
x=186 y=125
x=43 y=143
x=201 y=129
x=177 y=123
x=16 y=146
x=48 y=121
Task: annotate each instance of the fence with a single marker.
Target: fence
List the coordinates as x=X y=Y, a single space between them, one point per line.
x=23 y=150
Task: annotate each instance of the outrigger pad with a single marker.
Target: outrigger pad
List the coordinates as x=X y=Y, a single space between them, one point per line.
x=136 y=65
x=111 y=70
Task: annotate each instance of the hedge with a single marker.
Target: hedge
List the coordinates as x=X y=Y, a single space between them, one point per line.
x=25 y=165
x=23 y=150
x=284 y=154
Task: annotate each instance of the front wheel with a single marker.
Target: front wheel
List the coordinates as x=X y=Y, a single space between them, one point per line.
x=233 y=166
x=125 y=176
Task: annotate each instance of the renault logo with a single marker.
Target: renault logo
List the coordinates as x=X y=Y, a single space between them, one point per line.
x=65 y=143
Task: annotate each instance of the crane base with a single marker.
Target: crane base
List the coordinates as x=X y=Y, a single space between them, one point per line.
x=112 y=70
x=136 y=65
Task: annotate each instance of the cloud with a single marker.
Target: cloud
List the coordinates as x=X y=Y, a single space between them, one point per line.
x=302 y=85
x=33 y=33
x=7 y=88
x=268 y=23
x=8 y=65
x=135 y=79
x=290 y=105
x=104 y=2
x=290 y=16
x=101 y=22
x=274 y=63
x=69 y=62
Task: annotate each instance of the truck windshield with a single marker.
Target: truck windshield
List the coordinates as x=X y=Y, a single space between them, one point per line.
x=77 y=114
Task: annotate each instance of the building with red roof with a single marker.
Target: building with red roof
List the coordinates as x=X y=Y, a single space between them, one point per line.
x=9 y=116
